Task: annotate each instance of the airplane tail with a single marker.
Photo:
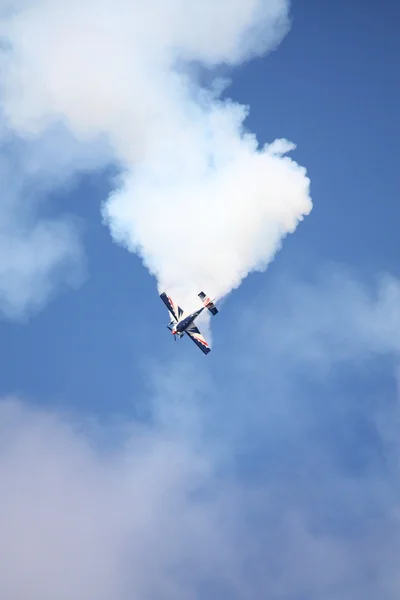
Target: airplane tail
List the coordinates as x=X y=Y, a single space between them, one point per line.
x=208 y=303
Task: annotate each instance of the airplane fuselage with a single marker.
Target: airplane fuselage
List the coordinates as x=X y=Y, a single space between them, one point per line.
x=182 y=325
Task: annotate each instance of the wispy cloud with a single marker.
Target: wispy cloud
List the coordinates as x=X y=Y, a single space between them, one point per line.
x=338 y=317
x=38 y=253
x=302 y=502
x=315 y=438
x=35 y=254
x=78 y=523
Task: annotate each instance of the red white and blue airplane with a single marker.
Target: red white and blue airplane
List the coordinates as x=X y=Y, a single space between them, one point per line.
x=181 y=323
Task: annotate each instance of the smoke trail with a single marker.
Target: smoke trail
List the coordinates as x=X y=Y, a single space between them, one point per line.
x=198 y=200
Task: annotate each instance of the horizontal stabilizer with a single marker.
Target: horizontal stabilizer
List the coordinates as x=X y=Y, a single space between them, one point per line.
x=208 y=303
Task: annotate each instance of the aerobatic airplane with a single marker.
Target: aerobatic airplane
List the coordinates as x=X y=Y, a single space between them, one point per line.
x=181 y=323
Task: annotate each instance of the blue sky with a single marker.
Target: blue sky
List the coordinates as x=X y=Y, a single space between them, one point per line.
x=135 y=466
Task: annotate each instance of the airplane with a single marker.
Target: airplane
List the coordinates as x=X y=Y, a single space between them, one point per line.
x=181 y=323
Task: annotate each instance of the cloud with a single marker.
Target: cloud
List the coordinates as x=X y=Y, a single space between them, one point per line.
x=40 y=249
x=37 y=254
x=197 y=199
x=76 y=522
x=35 y=260
x=322 y=351
x=338 y=318
x=302 y=503
x=318 y=434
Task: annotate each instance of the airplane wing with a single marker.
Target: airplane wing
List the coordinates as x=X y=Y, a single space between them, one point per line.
x=173 y=308
x=195 y=335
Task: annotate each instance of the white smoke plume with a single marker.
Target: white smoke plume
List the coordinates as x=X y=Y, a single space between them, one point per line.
x=198 y=199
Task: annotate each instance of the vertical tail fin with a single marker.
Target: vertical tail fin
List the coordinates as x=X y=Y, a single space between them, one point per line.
x=208 y=303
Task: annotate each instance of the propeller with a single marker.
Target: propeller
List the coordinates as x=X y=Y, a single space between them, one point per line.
x=171 y=328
